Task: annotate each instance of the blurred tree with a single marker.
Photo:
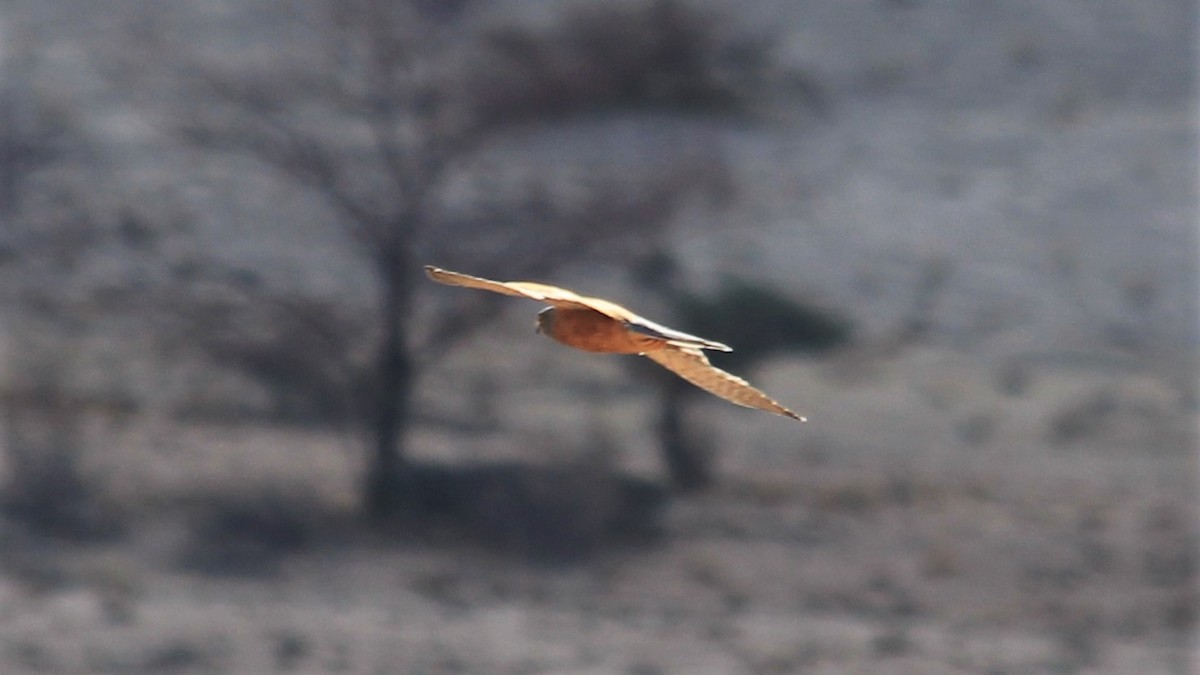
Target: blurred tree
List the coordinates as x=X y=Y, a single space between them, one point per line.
x=384 y=108
x=53 y=218
x=756 y=320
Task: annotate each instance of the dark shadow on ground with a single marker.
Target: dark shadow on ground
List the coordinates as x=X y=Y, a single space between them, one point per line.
x=544 y=515
x=556 y=514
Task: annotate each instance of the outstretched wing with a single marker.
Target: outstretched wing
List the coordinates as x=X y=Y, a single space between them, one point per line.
x=678 y=338
x=551 y=295
x=692 y=365
x=564 y=299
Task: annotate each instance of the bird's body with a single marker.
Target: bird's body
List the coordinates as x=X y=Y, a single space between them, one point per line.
x=592 y=331
x=598 y=325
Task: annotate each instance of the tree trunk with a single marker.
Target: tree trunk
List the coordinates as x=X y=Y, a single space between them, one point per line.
x=393 y=393
x=690 y=467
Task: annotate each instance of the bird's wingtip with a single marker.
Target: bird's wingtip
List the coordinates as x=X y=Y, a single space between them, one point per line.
x=713 y=345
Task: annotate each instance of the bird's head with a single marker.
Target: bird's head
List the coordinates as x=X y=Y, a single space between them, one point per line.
x=545 y=321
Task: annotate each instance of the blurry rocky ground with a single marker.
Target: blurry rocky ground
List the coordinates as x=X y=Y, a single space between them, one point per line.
x=999 y=471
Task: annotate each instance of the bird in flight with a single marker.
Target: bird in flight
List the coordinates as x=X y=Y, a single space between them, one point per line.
x=598 y=325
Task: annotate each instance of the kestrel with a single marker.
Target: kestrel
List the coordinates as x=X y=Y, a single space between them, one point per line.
x=597 y=325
